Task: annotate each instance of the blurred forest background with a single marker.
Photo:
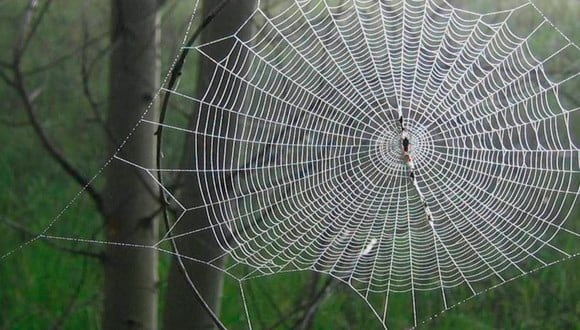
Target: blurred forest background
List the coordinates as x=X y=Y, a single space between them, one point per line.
x=52 y=284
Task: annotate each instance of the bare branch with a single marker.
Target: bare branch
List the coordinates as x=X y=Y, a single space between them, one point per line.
x=29 y=234
x=270 y=301
x=7 y=79
x=49 y=146
x=86 y=69
x=316 y=299
x=29 y=26
x=73 y=53
x=308 y=308
x=28 y=102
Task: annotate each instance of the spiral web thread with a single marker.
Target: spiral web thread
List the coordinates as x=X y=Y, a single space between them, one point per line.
x=316 y=179
x=303 y=168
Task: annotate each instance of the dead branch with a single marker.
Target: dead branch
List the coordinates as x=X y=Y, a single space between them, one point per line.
x=28 y=28
x=86 y=70
x=28 y=234
x=307 y=309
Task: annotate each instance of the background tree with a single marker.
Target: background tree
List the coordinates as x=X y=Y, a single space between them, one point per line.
x=130 y=199
x=54 y=72
x=128 y=202
x=228 y=16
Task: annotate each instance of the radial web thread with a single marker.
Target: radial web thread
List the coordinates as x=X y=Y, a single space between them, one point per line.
x=305 y=118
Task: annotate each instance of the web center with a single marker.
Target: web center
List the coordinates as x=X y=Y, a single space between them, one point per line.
x=406 y=147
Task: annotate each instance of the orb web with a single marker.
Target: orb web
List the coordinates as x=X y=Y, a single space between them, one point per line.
x=316 y=177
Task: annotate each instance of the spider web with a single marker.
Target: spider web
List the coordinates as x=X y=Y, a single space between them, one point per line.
x=316 y=178
x=318 y=181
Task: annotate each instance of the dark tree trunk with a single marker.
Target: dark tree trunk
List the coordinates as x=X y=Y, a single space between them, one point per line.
x=182 y=311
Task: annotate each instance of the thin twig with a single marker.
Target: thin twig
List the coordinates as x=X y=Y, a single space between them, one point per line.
x=28 y=102
x=49 y=146
x=307 y=307
x=7 y=80
x=25 y=231
x=270 y=302
x=32 y=25
x=85 y=75
x=316 y=299
x=62 y=58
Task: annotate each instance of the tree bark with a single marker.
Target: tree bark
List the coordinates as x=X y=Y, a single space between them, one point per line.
x=131 y=275
x=182 y=310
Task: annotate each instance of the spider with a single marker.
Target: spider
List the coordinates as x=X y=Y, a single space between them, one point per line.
x=405 y=141
x=406 y=146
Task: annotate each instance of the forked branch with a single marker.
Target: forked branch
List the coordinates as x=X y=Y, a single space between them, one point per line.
x=28 y=28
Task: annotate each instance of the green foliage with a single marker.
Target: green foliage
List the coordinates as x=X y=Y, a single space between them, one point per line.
x=42 y=285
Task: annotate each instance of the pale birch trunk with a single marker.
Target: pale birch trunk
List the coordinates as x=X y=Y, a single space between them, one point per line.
x=131 y=275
